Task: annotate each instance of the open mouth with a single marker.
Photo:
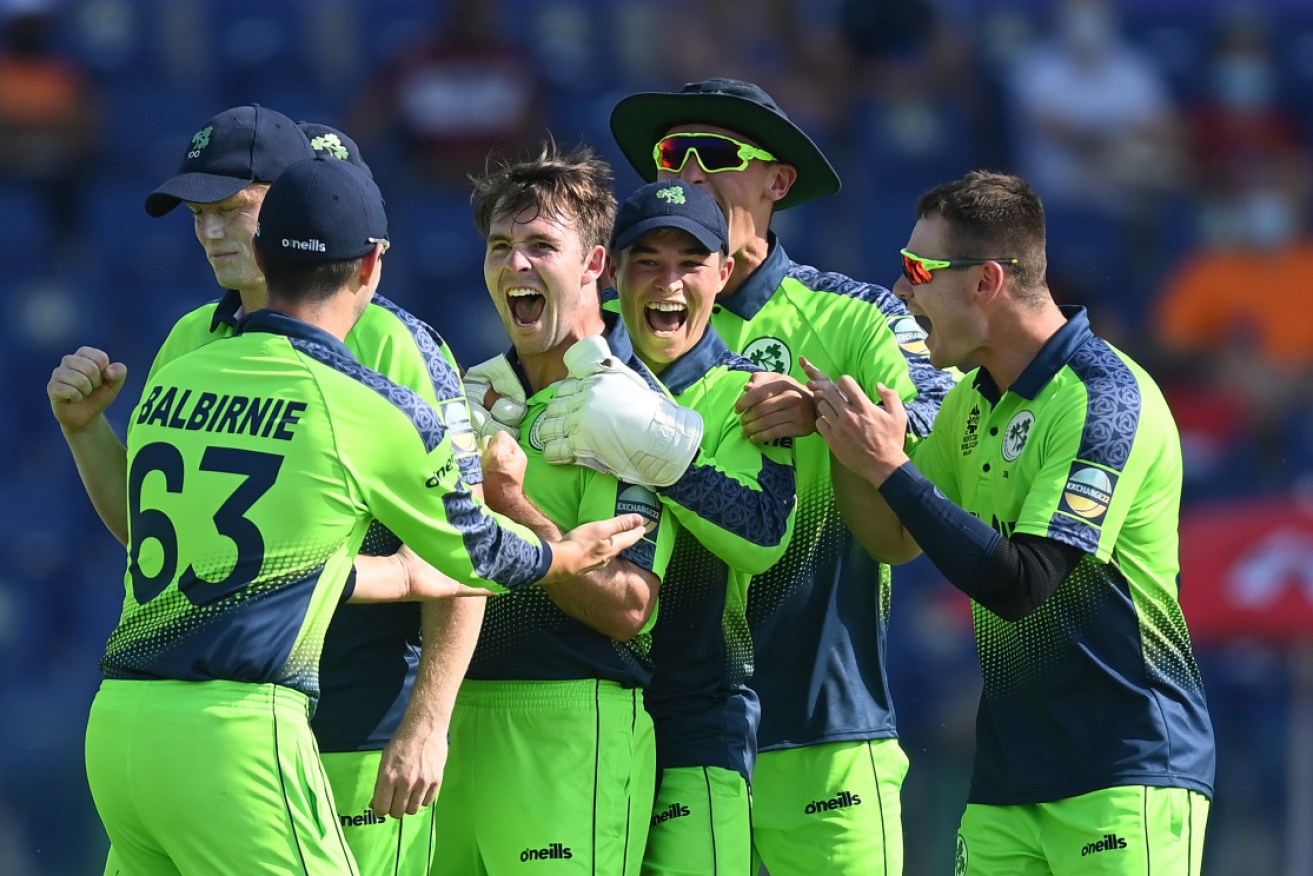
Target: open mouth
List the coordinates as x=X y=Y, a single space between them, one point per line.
x=924 y=322
x=665 y=317
x=526 y=306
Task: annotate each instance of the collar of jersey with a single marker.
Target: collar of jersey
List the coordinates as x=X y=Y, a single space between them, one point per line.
x=691 y=367
x=761 y=284
x=275 y=323
x=1052 y=357
x=225 y=310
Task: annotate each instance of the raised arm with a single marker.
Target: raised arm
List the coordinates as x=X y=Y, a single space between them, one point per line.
x=80 y=389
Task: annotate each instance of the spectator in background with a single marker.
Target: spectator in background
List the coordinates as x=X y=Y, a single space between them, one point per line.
x=465 y=92
x=1237 y=369
x=1242 y=140
x=903 y=48
x=1094 y=121
x=1237 y=373
x=49 y=115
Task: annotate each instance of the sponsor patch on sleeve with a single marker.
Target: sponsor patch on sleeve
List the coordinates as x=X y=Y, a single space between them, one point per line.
x=1088 y=492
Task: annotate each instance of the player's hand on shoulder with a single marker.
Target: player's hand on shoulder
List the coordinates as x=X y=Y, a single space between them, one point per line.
x=85 y=383
x=496 y=397
x=775 y=406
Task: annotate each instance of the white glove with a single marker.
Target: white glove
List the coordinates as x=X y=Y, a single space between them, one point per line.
x=508 y=411
x=606 y=417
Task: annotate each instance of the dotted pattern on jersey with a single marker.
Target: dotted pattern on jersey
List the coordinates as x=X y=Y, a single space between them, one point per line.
x=703 y=610
x=379 y=541
x=513 y=621
x=1014 y=655
x=146 y=632
x=819 y=539
x=1089 y=605
x=1168 y=653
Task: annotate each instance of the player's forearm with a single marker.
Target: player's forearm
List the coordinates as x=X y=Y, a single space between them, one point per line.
x=617 y=600
x=102 y=463
x=450 y=630
x=380 y=579
x=520 y=508
x=870 y=519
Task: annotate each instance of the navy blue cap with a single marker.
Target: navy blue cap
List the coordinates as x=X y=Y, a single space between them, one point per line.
x=321 y=210
x=671 y=203
x=333 y=143
x=233 y=149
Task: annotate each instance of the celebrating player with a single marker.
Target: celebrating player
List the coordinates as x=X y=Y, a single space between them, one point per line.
x=384 y=708
x=818 y=616
x=1049 y=493
x=556 y=757
x=734 y=507
x=255 y=468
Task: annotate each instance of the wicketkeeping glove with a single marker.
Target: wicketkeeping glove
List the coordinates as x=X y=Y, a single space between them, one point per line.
x=606 y=417
x=507 y=412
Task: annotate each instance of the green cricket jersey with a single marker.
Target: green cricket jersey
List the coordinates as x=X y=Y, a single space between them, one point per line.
x=819 y=615
x=525 y=635
x=735 y=508
x=255 y=467
x=1097 y=687
x=365 y=643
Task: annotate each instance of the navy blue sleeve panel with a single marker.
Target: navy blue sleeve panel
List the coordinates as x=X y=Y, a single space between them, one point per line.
x=1011 y=578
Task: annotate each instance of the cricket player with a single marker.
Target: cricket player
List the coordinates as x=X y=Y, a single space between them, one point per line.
x=818 y=616
x=385 y=703
x=556 y=764
x=1048 y=492
x=734 y=507
x=255 y=468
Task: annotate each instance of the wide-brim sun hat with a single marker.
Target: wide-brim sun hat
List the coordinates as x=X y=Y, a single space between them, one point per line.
x=640 y=120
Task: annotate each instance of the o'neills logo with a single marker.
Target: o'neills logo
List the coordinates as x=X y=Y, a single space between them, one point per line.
x=675 y=810
x=364 y=819
x=312 y=245
x=554 y=852
x=842 y=801
x=1109 y=842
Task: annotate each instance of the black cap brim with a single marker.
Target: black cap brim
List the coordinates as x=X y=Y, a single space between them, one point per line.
x=639 y=120
x=195 y=188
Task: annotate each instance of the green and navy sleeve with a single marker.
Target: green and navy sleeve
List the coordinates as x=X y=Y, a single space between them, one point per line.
x=402 y=459
x=737 y=497
x=394 y=342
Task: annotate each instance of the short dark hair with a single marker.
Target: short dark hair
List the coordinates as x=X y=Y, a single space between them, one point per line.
x=573 y=187
x=306 y=281
x=993 y=215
